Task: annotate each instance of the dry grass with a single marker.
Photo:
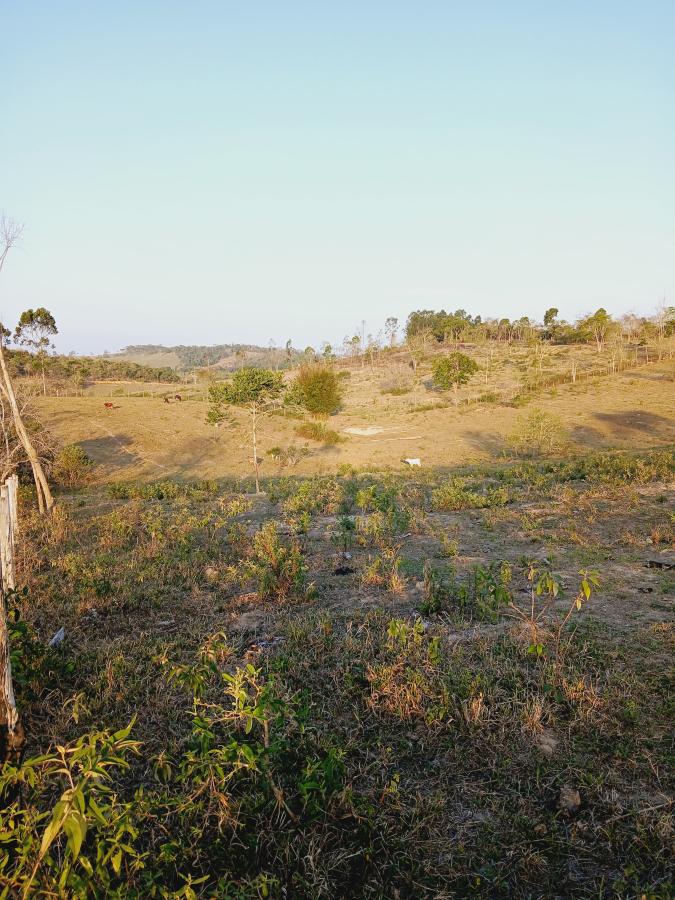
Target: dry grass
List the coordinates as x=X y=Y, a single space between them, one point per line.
x=403 y=738
x=145 y=438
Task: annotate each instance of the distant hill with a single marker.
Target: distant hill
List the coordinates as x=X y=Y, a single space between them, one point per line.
x=193 y=356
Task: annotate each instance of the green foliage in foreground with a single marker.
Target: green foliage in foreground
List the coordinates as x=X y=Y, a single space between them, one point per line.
x=596 y=468
x=342 y=739
x=163 y=490
x=338 y=750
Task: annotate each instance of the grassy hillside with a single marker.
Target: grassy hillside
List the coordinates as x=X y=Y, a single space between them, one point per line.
x=188 y=357
x=143 y=437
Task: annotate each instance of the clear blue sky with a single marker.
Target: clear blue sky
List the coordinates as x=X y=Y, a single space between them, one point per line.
x=209 y=172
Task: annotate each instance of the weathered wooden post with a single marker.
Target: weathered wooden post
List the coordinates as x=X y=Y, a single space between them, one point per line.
x=11 y=732
x=13 y=485
x=6 y=541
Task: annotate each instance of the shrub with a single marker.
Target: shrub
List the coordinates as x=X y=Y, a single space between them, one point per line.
x=72 y=467
x=288 y=456
x=610 y=468
x=317 y=389
x=317 y=431
x=538 y=433
x=163 y=490
x=453 y=496
x=278 y=568
x=48 y=854
x=396 y=391
x=316 y=495
x=480 y=597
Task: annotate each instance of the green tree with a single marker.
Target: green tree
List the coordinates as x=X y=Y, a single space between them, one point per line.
x=597 y=327
x=504 y=330
x=254 y=389
x=35 y=330
x=452 y=370
x=10 y=233
x=551 y=322
x=391 y=329
x=353 y=345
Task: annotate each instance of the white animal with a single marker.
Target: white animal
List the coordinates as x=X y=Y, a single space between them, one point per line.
x=412 y=462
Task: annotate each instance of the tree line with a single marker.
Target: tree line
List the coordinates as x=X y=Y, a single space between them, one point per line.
x=80 y=370
x=597 y=327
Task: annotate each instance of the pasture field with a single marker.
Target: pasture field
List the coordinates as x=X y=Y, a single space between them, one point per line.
x=367 y=681
x=145 y=438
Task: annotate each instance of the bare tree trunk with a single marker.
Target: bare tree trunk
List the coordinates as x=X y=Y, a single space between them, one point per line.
x=45 y=499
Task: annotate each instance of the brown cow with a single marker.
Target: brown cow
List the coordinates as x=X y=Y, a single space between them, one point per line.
x=177 y=397
x=166 y=400
x=109 y=406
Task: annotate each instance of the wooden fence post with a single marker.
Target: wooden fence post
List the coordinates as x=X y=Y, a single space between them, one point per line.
x=6 y=541
x=13 y=485
x=11 y=732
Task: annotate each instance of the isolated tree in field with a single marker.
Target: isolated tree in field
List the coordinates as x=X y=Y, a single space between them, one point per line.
x=391 y=329
x=35 y=330
x=253 y=389
x=10 y=232
x=597 y=326
x=452 y=370
x=551 y=321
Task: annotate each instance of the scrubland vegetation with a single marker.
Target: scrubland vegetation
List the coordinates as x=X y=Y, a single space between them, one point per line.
x=360 y=680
